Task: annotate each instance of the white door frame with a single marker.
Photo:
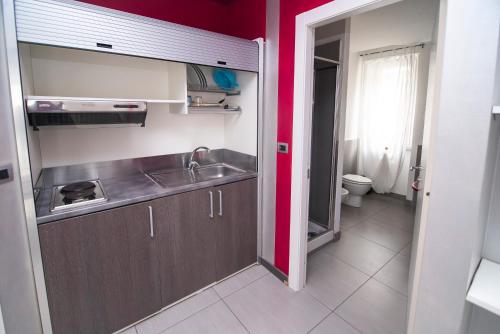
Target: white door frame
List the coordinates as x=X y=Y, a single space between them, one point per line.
x=302 y=121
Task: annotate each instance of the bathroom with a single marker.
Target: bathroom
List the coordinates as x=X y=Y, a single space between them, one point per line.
x=370 y=91
x=371 y=87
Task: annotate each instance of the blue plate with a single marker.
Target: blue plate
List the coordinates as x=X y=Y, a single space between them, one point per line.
x=225 y=79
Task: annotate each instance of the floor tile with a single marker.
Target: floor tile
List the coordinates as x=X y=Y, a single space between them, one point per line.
x=406 y=250
x=402 y=217
x=372 y=204
x=375 y=309
x=177 y=313
x=360 y=253
x=333 y=324
x=230 y=285
x=391 y=237
x=349 y=218
x=330 y=280
x=268 y=306
x=395 y=273
x=130 y=330
x=215 y=319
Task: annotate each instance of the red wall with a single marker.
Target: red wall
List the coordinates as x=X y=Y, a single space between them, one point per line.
x=240 y=18
x=288 y=10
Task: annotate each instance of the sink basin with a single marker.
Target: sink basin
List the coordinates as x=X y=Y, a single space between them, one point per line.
x=216 y=171
x=182 y=177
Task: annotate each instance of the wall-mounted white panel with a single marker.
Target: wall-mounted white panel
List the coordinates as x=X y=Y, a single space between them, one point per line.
x=241 y=130
x=83 y=26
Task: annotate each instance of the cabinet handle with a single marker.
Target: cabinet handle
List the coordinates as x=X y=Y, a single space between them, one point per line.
x=211 y=195
x=220 y=203
x=151 y=229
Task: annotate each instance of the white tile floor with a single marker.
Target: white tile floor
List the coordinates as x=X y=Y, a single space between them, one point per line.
x=356 y=285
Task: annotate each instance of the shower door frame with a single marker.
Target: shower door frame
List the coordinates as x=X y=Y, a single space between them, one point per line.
x=330 y=234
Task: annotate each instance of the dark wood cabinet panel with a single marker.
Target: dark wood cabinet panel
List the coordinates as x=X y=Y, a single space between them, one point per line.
x=187 y=243
x=101 y=270
x=236 y=227
x=104 y=271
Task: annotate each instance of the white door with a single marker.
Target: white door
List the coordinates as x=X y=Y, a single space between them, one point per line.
x=423 y=171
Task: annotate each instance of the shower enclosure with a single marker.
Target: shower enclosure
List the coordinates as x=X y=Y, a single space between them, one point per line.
x=323 y=139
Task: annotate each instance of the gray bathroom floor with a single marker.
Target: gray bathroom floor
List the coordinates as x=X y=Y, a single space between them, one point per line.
x=355 y=285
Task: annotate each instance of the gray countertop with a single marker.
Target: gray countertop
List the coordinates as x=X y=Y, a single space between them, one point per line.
x=130 y=188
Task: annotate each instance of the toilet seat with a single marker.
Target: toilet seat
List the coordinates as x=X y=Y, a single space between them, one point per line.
x=356 y=179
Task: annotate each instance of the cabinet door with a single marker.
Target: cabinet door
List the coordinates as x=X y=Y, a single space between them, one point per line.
x=236 y=226
x=81 y=26
x=187 y=243
x=101 y=270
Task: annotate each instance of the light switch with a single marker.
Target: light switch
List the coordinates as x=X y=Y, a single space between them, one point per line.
x=5 y=173
x=282 y=147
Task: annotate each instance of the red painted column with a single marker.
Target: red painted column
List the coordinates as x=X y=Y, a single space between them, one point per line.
x=289 y=9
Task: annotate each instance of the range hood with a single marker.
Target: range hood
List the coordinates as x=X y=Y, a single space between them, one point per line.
x=49 y=111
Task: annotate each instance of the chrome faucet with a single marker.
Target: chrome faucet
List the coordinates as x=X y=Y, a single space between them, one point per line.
x=192 y=164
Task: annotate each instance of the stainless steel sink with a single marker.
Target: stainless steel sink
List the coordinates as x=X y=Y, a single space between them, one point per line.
x=182 y=177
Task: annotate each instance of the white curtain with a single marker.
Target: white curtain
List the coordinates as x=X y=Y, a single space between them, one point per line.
x=385 y=106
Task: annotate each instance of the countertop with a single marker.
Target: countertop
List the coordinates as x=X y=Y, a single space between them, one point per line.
x=128 y=189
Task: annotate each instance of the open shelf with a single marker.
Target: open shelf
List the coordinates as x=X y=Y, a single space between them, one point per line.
x=103 y=99
x=212 y=89
x=495 y=110
x=213 y=110
x=485 y=287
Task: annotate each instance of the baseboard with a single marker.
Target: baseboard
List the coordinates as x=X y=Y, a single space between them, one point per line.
x=275 y=271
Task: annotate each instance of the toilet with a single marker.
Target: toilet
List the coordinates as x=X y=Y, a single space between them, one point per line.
x=343 y=194
x=357 y=186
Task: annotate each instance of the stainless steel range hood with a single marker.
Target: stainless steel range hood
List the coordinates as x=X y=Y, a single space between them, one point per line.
x=50 y=111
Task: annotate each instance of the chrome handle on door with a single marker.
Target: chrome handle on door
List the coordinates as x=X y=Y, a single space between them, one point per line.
x=151 y=227
x=220 y=203
x=211 y=195
x=415 y=168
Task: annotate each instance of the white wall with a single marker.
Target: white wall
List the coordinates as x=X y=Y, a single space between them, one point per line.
x=66 y=72
x=18 y=297
x=270 y=124
x=240 y=131
x=483 y=321
x=403 y=23
x=492 y=240
x=29 y=89
x=460 y=159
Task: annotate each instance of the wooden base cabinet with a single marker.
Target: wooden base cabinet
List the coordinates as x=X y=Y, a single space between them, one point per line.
x=236 y=220
x=206 y=235
x=186 y=241
x=106 y=270
x=101 y=270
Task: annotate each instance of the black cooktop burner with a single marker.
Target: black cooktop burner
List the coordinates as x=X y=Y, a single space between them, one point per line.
x=78 y=191
x=78 y=187
x=69 y=200
x=77 y=194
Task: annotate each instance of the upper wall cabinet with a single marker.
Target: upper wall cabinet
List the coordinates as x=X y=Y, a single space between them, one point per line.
x=77 y=25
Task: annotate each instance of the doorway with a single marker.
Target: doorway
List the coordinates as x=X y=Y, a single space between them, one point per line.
x=391 y=202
